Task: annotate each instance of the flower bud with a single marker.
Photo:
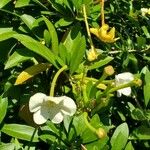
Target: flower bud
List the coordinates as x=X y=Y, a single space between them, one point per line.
x=101 y=133
x=109 y=70
x=137 y=82
x=92 y=55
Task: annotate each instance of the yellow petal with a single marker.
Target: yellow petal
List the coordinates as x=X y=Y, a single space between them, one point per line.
x=103 y=34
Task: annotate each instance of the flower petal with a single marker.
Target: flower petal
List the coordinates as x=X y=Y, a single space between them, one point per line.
x=39 y=118
x=58 y=118
x=124 y=77
x=124 y=91
x=68 y=106
x=36 y=101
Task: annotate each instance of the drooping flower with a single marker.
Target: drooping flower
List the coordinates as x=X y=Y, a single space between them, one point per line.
x=103 y=34
x=122 y=79
x=46 y=107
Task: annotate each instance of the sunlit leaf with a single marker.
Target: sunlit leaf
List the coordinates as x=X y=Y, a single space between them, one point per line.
x=4 y=2
x=120 y=137
x=3 y=108
x=19 y=131
x=147 y=88
x=30 y=72
x=53 y=34
x=100 y=63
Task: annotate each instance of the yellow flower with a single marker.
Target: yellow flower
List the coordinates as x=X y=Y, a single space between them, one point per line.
x=103 y=34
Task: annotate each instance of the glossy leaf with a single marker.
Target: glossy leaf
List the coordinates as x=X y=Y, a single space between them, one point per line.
x=8 y=146
x=3 y=3
x=120 y=137
x=77 y=54
x=3 y=108
x=30 y=72
x=140 y=133
x=23 y=132
x=22 y=3
x=147 y=88
x=38 y=48
x=129 y=146
x=28 y=20
x=53 y=34
x=75 y=45
x=138 y=114
x=100 y=63
x=20 y=55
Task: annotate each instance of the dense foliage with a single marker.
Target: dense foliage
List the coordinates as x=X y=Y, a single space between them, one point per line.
x=46 y=47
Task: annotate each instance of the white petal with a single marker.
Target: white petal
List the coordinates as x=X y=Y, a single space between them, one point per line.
x=58 y=118
x=119 y=93
x=125 y=91
x=36 y=101
x=56 y=100
x=68 y=107
x=123 y=78
x=39 y=118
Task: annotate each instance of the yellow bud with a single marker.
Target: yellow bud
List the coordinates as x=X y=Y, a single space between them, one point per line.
x=109 y=70
x=92 y=55
x=102 y=86
x=101 y=133
x=138 y=82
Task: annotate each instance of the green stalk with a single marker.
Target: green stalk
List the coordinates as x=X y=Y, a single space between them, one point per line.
x=55 y=79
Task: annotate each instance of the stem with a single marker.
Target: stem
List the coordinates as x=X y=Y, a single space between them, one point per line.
x=88 y=124
x=103 y=77
x=87 y=27
x=55 y=79
x=102 y=12
x=121 y=87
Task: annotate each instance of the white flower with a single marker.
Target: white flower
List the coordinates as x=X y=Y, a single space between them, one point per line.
x=46 y=107
x=145 y=11
x=122 y=79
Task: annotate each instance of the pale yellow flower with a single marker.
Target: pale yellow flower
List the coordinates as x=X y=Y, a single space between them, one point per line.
x=103 y=34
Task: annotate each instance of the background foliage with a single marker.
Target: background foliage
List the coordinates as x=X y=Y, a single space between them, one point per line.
x=52 y=33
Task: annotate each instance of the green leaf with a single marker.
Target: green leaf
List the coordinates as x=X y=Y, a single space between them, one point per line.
x=39 y=48
x=138 y=114
x=63 y=22
x=23 y=132
x=140 y=133
x=20 y=55
x=100 y=63
x=22 y=3
x=129 y=146
x=79 y=125
x=3 y=108
x=141 y=41
x=120 y=137
x=3 y=3
x=8 y=146
x=145 y=30
x=28 y=20
x=53 y=34
x=147 y=88
x=75 y=45
x=30 y=72
x=6 y=33
x=77 y=54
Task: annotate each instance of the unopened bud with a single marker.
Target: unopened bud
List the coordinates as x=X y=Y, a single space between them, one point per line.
x=101 y=133
x=92 y=55
x=137 y=82
x=109 y=70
